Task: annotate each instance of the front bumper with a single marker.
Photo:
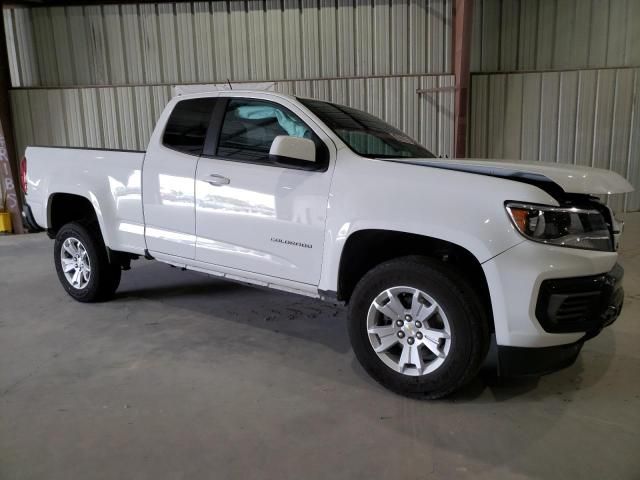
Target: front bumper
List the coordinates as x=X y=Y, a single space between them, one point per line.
x=582 y=305
x=515 y=278
x=523 y=361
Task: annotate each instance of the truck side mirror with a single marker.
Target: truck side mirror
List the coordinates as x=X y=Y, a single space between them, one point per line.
x=285 y=149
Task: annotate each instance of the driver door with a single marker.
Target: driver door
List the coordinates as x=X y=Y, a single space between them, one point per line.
x=254 y=215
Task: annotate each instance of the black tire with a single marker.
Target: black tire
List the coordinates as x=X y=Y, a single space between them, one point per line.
x=105 y=276
x=466 y=317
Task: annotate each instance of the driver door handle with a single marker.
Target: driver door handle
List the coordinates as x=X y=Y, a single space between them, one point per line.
x=218 y=180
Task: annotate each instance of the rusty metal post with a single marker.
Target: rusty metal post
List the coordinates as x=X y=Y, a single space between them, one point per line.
x=8 y=157
x=462 y=25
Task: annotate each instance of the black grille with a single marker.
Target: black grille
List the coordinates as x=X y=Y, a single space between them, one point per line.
x=579 y=304
x=573 y=308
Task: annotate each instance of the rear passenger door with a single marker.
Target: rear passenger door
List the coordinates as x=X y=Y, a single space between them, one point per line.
x=255 y=215
x=168 y=178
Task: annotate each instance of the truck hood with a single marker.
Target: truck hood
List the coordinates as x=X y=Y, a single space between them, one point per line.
x=571 y=178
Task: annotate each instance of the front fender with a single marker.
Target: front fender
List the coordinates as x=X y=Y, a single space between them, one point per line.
x=461 y=208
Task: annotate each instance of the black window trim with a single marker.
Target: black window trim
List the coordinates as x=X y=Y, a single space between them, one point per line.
x=212 y=138
x=215 y=127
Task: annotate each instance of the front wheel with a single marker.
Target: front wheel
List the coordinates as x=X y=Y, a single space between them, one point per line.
x=417 y=327
x=82 y=263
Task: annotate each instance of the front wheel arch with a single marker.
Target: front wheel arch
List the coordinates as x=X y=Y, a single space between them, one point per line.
x=366 y=249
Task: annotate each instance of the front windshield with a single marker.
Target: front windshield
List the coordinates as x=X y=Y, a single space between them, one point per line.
x=365 y=134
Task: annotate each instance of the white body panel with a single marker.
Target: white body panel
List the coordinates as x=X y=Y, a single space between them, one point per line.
x=256 y=227
x=169 y=199
x=247 y=223
x=462 y=208
x=514 y=279
x=109 y=179
x=264 y=219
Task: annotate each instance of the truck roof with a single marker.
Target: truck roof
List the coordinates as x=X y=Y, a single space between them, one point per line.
x=216 y=93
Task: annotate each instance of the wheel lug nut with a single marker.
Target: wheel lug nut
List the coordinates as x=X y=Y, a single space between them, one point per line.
x=418 y=324
x=399 y=323
x=407 y=318
x=419 y=335
x=410 y=340
x=400 y=334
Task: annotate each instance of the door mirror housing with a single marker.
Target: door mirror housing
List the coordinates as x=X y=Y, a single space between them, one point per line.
x=286 y=149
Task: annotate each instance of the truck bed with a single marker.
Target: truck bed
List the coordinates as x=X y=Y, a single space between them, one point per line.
x=111 y=176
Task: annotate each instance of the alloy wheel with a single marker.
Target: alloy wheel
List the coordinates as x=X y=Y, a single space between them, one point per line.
x=408 y=330
x=75 y=263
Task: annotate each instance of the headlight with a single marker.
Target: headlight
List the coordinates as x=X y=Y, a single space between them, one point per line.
x=562 y=226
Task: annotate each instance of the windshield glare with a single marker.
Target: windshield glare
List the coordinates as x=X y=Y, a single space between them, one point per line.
x=365 y=134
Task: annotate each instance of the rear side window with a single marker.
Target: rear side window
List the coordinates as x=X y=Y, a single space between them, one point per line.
x=187 y=125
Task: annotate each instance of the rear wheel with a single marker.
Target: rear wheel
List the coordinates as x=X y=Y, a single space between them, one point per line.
x=417 y=327
x=82 y=263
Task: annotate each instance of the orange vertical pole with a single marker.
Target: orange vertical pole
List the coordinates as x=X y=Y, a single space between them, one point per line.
x=462 y=25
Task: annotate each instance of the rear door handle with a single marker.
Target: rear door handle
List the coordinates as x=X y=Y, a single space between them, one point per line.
x=218 y=180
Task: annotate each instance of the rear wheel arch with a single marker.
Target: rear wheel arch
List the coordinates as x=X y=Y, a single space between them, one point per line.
x=366 y=249
x=64 y=208
x=67 y=208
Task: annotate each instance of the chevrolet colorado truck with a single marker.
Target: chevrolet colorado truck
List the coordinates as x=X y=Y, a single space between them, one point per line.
x=435 y=258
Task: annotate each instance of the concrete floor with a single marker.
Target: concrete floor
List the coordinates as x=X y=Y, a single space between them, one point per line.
x=183 y=376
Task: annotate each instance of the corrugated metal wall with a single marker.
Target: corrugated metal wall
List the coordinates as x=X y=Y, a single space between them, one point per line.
x=581 y=106
x=124 y=117
x=207 y=42
x=518 y=35
x=326 y=47
x=588 y=117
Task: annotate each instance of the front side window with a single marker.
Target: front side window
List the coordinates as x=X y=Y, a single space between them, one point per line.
x=187 y=125
x=250 y=126
x=365 y=134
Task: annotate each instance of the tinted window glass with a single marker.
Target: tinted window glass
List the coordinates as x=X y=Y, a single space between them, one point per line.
x=250 y=126
x=365 y=134
x=187 y=125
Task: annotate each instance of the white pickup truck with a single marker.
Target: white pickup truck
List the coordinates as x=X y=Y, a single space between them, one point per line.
x=434 y=257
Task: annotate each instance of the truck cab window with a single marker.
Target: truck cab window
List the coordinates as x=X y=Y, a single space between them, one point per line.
x=250 y=126
x=365 y=134
x=187 y=126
